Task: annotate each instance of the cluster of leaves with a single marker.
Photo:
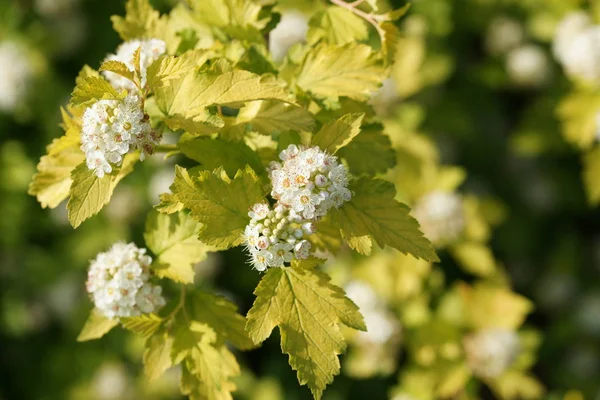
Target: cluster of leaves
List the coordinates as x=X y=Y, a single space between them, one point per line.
x=234 y=110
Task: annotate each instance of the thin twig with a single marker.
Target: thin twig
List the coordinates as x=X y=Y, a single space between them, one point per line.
x=370 y=18
x=180 y=305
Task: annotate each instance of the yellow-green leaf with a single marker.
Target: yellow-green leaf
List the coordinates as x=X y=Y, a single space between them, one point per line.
x=337 y=134
x=374 y=211
x=218 y=202
x=351 y=70
x=144 y=325
x=578 y=113
x=336 y=25
x=475 y=258
x=168 y=204
x=157 y=356
x=591 y=175
x=140 y=18
x=92 y=89
x=308 y=310
x=267 y=117
x=90 y=193
x=174 y=240
x=215 y=153
x=118 y=68
x=96 y=326
x=168 y=67
x=370 y=152
x=222 y=316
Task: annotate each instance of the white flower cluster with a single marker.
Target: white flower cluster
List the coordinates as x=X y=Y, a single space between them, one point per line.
x=490 y=352
x=150 y=50
x=528 y=65
x=273 y=238
x=111 y=129
x=306 y=184
x=577 y=46
x=292 y=29
x=118 y=281
x=16 y=73
x=441 y=217
x=381 y=325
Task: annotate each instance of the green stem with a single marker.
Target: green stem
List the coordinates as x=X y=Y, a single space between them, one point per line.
x=180 y=305
x=166 y=148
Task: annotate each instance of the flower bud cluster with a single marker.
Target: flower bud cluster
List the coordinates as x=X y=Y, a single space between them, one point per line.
x=274 y=238
x=441 y=217
x=118 y=282
x=490 y=352
x=306 y=184
x=309 y=182
x=113 y=128
x=150 y=50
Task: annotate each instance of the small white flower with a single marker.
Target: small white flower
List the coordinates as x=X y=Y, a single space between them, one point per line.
x=441 y=217
x=118 y=282
x=292 y=29
x=302 y=249
x=111 y=129
x=582 y=58
x=16 y=75
x=259 y=211
x=261 y=259
x=150 y=50
x=571 y=26
x=528 y=66
x=490 y=352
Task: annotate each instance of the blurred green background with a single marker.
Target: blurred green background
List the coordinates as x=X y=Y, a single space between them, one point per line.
x=505 y=135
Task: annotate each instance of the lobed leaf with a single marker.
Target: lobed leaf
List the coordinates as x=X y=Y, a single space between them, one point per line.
x=90 y=193
x=308 y=311
x=218 y=202
x=336 y=134
x=96 y=326
x=174 y=240
x=373 y=211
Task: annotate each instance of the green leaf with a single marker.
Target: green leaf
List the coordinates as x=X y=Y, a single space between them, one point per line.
x=144 y=325
x=140 y=20
x=208 y=372
x=91 y=89
x=222 y=316
x=118 y=68
x=370 y=152
x=361 y=244
x=220 y=203
x=578 y=113
x=157 y=356
x=215 y=153
x=52 y=182
x=336 y=134
x=167 y=67
x=208 y=365
x=308 y=310
x=336 y=25
x=267 y=117
x=475 y=258
x=96 y=326
x=591 y=175
x=168 y=204
x=374 y=211
x=327 y=236
x=174 y=240
x=90 y=193
x=352 y=70
x=185 y=99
